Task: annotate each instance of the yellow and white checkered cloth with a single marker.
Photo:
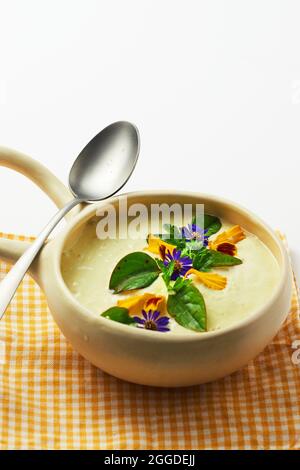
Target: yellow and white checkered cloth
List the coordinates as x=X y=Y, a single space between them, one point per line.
x=52 y=398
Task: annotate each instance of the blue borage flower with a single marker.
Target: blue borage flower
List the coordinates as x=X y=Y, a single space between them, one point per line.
x=181 y=263
x=194 y=233
x=152 y=321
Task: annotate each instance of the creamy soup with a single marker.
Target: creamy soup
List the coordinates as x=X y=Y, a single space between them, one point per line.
x=88 y=262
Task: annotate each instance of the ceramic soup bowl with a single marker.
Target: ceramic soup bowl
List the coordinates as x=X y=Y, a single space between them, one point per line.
x=144 y=356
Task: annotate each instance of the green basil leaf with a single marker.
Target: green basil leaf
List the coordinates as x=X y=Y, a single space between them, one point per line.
x=134 y=271
x=202 y=259
x=211 y=223
x=119 y=314
x=222 y=259
x=187 y=307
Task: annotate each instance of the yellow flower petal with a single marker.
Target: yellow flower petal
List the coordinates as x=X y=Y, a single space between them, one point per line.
x=233 y=235
x=225 y=242
x=136 y=303
x=157 y=246
x=211 y=280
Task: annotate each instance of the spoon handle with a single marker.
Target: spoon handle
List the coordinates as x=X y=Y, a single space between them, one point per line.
x=10 y=283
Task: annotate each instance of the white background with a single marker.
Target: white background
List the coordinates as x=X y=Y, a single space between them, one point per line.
x=213 y=86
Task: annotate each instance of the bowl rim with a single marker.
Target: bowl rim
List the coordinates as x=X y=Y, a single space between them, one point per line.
x=147 y=335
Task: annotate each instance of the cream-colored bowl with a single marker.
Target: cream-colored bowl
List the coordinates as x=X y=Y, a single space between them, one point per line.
x=140 y=356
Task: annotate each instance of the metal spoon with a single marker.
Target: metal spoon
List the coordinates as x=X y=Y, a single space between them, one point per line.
x=100 y=170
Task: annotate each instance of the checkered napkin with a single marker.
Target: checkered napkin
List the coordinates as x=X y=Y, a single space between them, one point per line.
x=52 y=398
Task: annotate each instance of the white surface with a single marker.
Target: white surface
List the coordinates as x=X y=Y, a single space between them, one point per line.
x=214 y=88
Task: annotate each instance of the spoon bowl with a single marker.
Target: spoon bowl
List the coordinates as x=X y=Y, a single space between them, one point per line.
x=106 y=162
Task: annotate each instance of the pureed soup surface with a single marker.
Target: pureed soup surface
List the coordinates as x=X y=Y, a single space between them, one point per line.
x=87 y=265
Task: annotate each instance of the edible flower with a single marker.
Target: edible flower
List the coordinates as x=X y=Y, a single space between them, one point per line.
x=181 y=263
x=226 y=241
x=147 y=301
x=158 y=246
x=211 y=280
x=193 y=232
x=152 y=320
x=146 y=311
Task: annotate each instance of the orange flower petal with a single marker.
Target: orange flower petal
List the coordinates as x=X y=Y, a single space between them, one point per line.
x=211 y=280
x=135 y=304
x=155 y=302
x=225 y=242
x=158 y=246
x=233 y=235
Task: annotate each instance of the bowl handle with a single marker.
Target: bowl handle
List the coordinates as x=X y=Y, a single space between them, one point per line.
x=11 y=250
